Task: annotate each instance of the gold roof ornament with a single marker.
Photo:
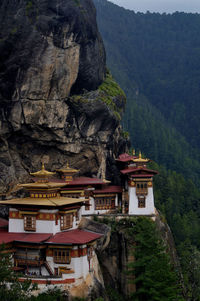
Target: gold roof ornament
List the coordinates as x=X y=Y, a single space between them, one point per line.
x=140 y=160
x=67 y=169
x=133 y=152
x=42 y=174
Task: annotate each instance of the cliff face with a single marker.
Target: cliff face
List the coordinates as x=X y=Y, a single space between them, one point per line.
x=49 y=52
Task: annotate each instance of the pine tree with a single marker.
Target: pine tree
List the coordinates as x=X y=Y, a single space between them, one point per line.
x=153 y=273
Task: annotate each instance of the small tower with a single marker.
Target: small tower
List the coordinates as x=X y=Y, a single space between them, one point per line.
x=140 y=187
x=67 y=173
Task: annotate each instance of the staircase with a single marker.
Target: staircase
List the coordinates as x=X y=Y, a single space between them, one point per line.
x=49 y=269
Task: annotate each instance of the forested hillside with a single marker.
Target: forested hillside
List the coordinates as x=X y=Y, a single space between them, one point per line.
x=156 y=59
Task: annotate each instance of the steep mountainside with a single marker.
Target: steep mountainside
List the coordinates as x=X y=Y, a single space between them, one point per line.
x=51 y=51
x=155 y=58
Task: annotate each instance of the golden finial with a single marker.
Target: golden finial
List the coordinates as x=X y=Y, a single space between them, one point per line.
x=133 y=152
x=67 y=165
x=43 y=174
x=140 y=160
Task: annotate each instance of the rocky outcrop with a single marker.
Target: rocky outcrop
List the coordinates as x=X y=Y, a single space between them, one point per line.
x=51 y=52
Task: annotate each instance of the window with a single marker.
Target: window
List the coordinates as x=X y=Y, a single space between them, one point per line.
x=102 y=203
x=141 y=202
x=87 y=207
x=29 y=223
x=61 y=256
x=66 y=221
x=141 y=188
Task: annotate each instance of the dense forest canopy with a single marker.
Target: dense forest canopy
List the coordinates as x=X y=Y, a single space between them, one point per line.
x=156 y=59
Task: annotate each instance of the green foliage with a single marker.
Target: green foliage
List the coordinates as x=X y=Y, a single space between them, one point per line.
x=50 y=295
x=190 y=261
x=125 y=135
x=77 y=2
x=29 y=6
x=19 y=291
x=14 y=30
x=113 y=295
x=153 y=273
x=155 y=59
x=12 y=289
x=110 y=87
x=111 y=90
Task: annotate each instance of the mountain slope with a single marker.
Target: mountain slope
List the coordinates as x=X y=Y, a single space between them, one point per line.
x=155 y=58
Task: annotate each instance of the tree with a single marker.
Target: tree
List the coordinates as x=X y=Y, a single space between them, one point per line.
x=152 y=270
x=10 y=287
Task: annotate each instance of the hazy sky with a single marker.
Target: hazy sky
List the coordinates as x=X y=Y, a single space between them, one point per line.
x=168 y=6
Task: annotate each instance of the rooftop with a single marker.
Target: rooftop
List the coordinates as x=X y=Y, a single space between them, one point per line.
x=139 y=170
x=51 y=202
x=86 y=181
x=125 y=158
x=76 y=236
x=8 y=237
x=109 y=189
x=70 y=237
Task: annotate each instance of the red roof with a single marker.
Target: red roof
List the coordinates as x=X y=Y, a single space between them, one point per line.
x=125 y=158
x=138 y=170
x=7 y=237
x=109 y=189
x=143 y=175
x=71 y=237
x=3 y=223
x=85 y=181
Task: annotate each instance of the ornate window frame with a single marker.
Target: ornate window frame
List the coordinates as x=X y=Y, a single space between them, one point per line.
x=29 y=222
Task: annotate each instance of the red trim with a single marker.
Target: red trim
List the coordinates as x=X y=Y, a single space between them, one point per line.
x=3 y=223
x=142 y=176
x=109 y=189
x=138 y=170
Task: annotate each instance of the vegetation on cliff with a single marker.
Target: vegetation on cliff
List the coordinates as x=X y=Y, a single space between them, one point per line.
x=152 y=269
x=158 y=68
x=145 y=269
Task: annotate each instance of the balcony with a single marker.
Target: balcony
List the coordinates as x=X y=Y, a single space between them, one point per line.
x=20 y=261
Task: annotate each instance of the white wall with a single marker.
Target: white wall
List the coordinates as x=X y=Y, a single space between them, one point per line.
x=79 y=265
x=91 y=210
x=42 y=226
x=133 y=202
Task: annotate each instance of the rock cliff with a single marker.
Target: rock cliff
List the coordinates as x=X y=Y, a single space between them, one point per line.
x=52 y=62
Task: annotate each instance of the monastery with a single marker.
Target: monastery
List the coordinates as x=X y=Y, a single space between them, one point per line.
x=43 y=234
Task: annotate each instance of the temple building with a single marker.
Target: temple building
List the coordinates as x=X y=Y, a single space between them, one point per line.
x=43 y=231
x=139 y=187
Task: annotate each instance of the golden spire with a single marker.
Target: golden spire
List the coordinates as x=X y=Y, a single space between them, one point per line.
x=42 y=174
x=133 y=152
x=67 y=172
x=140 y=159
x=67 y=169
